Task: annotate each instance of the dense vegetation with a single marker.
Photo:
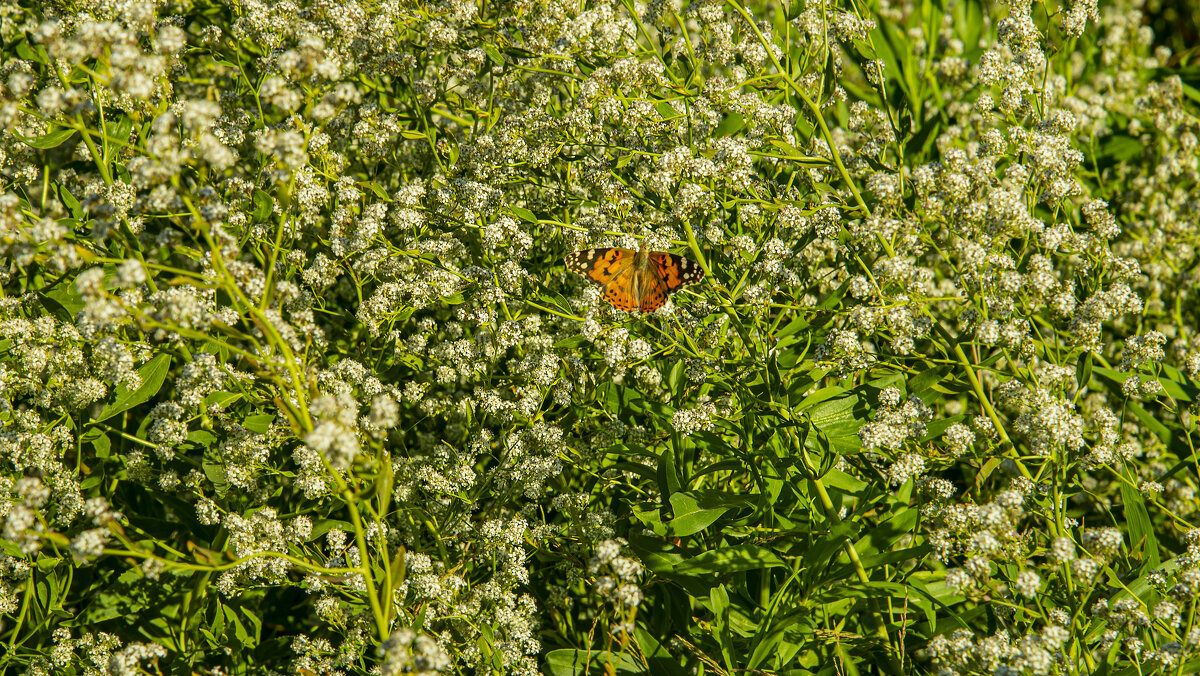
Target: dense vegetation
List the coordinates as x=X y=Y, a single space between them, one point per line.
x=293 y=378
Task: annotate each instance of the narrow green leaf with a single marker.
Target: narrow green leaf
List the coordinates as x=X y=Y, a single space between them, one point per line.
x=986 y=470
x=731 y=560
x=718 y=599
x=787 y=148
x=222 y=399
x=1083 y=370
x=821 y=395
x=70 y=202
x=571 y=343
x=219 y=621
x=47 y=141
x=1141 y=530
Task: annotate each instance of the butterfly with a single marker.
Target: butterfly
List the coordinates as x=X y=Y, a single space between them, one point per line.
x=635 y=280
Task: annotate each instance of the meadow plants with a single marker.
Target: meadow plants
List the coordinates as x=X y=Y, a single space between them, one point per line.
x=293 y=378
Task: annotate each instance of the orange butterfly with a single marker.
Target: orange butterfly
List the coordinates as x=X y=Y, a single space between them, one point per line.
x=635 y=280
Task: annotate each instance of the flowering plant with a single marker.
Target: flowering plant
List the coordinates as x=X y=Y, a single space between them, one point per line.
x=293 y=377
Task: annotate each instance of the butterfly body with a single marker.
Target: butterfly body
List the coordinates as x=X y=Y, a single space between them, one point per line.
x=635 y=281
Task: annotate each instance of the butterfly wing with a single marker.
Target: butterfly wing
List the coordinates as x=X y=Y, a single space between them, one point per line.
x=623 y=291
x=649 y=289
x=613 y=269
x=674 y=271
x=631 y=287
x=600 y=265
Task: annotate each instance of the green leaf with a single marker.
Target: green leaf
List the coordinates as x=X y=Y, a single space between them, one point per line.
x=690 y=517
x=258 y=424
x=1141 y=530
x=239 y=629
x=153 y=373
x=263 y=206
x=1117 y=149
x=667 y=474
x=657 y=657
x=70 y=202
x=730 y=560
x=493 y=54
x=843 y=482
x=927 y=379
x=23 y=51
x=202 y=438
x=524 y=214
x=323 y=526
x=253 y=619
x=222 y=399
x=828 y=413
x=378 y=190
x=67 y=299
x=1176 y=384
x=219 y=621
x=718 y=598
x=571 y=343
x=575 y=662
x=787 y=148
x=1083 y=370
x=47 y=141
x=814 y=401
x=986 y=470
x=732 y=123
x=99 y=440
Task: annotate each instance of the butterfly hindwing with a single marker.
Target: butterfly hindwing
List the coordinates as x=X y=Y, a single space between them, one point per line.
x=652 y=292
x=621 y=290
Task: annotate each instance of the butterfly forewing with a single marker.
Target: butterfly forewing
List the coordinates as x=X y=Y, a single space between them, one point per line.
x=675 y=271
x=600 y=265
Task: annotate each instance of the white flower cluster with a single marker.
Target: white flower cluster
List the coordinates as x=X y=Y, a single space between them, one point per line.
x=618 y=576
